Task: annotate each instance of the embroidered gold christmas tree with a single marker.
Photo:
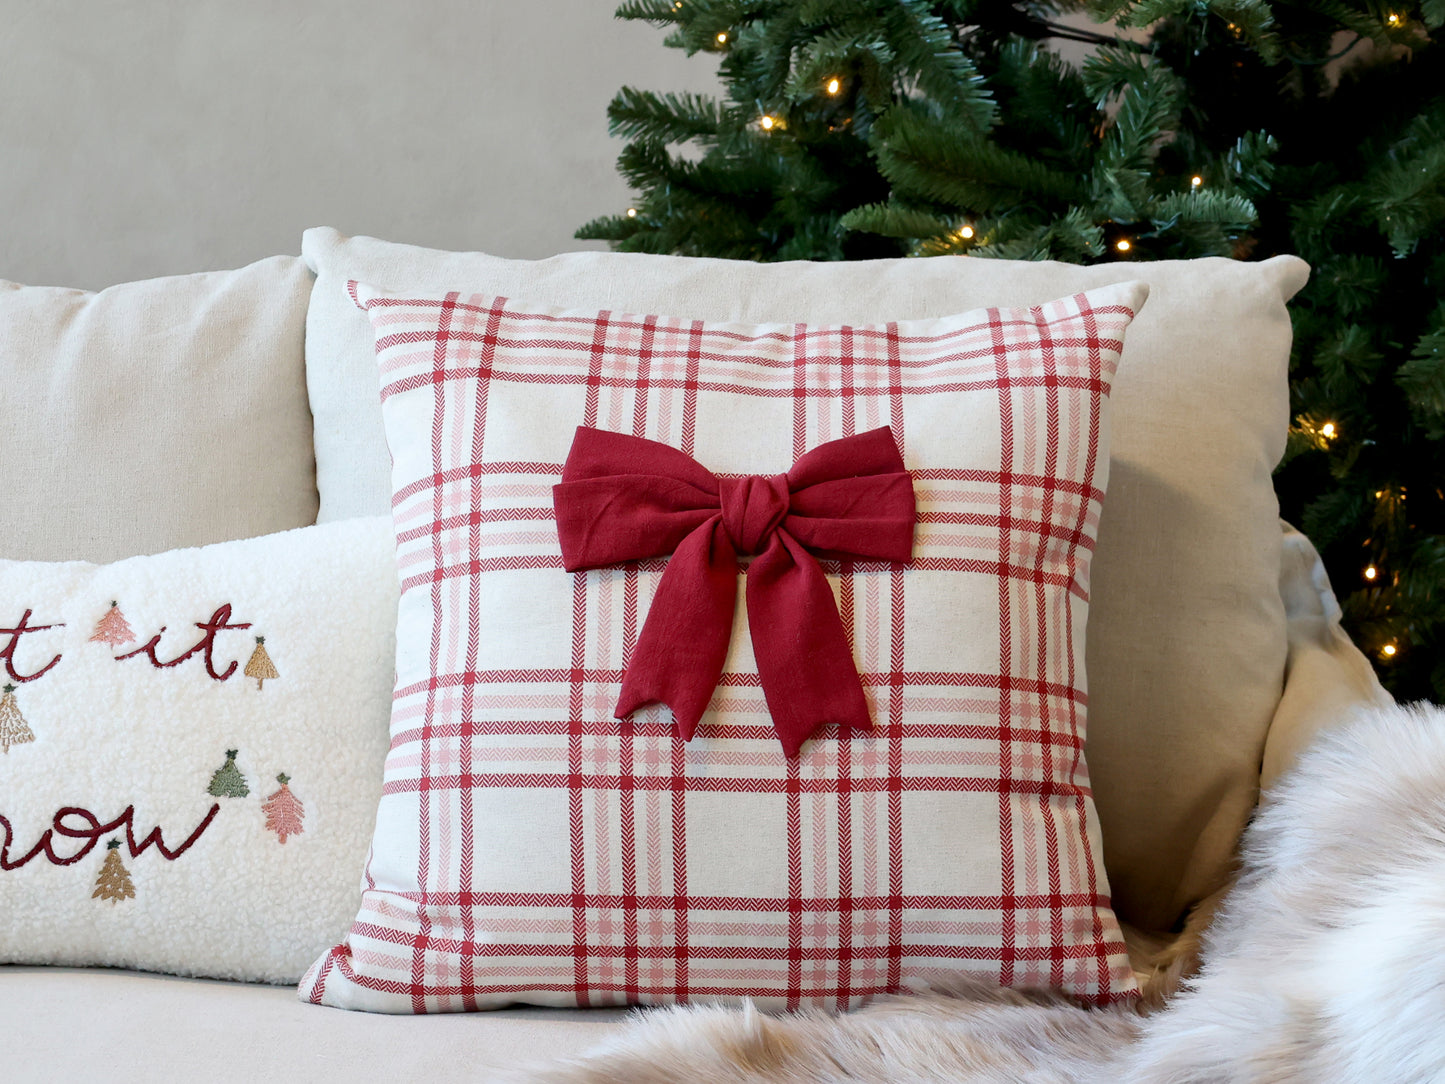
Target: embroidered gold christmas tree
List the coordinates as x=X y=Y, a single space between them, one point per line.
x=284 y=811
x=227 y=780
x=260 y=667
x=114 y=882
x=13 y=728
x=113 y=629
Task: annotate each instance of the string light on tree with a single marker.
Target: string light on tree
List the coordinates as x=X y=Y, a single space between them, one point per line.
x=1394 y=19
x=834 y=86
x=1371 y=572
x=767 y=122
x=1196 y=181
x=966 y=232
x=1389 y=651
x=1122 y=245
x=632 y=212
x=1328 y=430
x=722 y=37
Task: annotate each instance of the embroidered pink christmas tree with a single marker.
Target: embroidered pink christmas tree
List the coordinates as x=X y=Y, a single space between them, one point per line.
x=113 y=629
x=284 y=811
x=13 y=728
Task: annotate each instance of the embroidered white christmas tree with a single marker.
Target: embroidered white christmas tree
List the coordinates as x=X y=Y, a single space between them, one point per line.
x=13 y=728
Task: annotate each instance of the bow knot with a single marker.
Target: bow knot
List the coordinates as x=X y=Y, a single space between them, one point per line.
x=752 y=508
x=623 y=498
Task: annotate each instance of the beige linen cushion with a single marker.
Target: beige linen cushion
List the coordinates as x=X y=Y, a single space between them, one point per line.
x=1187 y=636
x=154 y=415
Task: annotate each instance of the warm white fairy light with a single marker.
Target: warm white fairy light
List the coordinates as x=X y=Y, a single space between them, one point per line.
x=1394 y=19
x=1327 y=430
x=1122 y=244
x=722 y=37
x=767 y=122
x=834 y=85
x=632 y=212
x=1196 y=180
x=1389 y=651
x=966 y=232
x=1371 y=572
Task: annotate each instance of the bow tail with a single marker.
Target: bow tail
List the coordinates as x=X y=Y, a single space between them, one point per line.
x=804 y=658
x=680 y=653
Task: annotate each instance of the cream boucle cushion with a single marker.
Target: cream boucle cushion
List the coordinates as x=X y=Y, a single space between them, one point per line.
x=1186 y=645
x=156 y=414
x=191 y=748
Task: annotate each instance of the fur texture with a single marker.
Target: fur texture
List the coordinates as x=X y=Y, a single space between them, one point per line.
x=1323 y=964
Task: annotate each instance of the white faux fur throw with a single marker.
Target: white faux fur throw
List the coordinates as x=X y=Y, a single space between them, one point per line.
x=1323 y=964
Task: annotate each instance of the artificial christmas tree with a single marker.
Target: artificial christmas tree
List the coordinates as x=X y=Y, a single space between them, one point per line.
x=227 y=780
x=13 y=728
x=284 y=811
x=260 y=666
x=114 y=882
x=113 y=629
x=867 y=127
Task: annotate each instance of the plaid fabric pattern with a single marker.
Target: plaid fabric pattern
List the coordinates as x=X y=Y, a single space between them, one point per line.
x=530 y=847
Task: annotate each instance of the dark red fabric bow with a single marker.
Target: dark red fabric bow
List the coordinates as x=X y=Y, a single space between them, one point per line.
x=623 y=498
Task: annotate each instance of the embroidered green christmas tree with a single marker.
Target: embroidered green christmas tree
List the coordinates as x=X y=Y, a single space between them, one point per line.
x=228 y=782
x=114 y=882
x=13 y=728
x=260 y=666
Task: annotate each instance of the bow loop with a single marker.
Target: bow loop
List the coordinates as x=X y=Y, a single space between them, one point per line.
x=624 y=498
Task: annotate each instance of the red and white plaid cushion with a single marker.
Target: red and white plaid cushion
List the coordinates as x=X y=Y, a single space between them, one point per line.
x=530 y=847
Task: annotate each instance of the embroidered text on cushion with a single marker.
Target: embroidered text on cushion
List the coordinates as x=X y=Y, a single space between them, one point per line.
x=190 y=751
x=530 y=847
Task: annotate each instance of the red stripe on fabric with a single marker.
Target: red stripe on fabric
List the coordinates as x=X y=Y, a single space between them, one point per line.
x=626 y=727
x=662 y=728
x=1005 y=788
x=992 y=569
x=794 y=794
x=1047 y=810
x=775 y=905
x=1023 y=318
x=1077 y=719
x=1005 y=636
x=581 y=979
x=689 y=387
x=438 y=479
x=845 y=946
x=898 y=660
x=418 y=963
x=474 y=619
x=680 y=909
x=941 y=387
x=795 y=888
x=939 y=679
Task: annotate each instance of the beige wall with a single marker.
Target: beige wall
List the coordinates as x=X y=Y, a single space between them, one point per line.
x=153 y=137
